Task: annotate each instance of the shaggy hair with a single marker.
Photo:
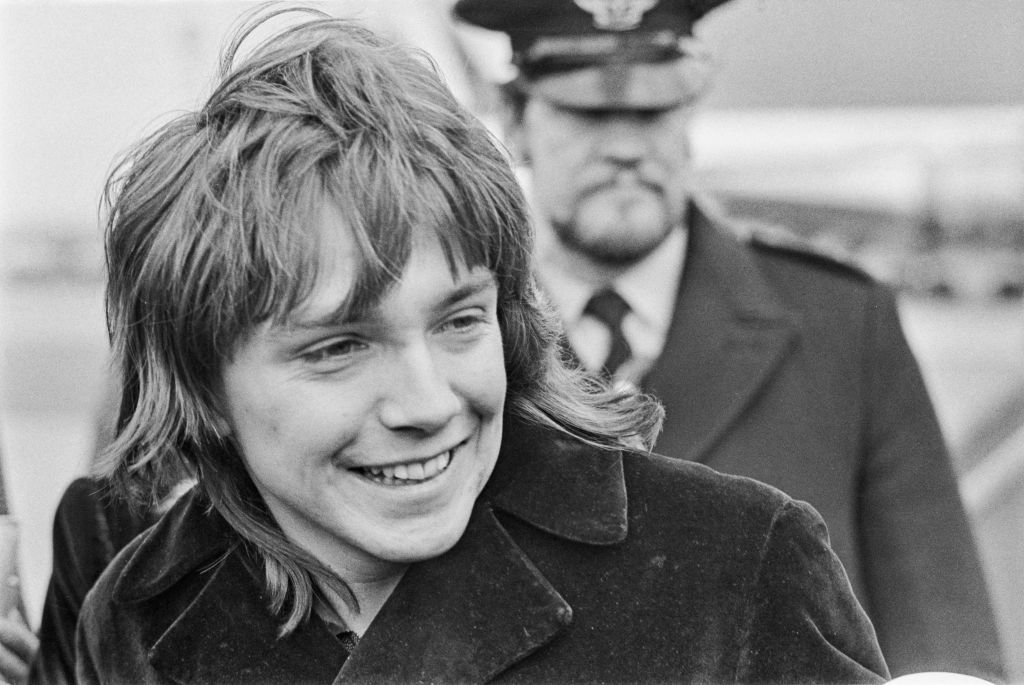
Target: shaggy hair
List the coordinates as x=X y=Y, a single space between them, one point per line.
x=212 y=229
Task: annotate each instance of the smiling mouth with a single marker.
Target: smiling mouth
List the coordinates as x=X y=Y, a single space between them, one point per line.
x=408 y=473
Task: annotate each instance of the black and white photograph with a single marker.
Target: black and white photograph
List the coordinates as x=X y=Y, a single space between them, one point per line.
x=513 y=341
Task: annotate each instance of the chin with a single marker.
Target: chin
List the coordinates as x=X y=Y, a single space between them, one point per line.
x=421 y=550
x=616 y=253
x=626 y=239
x=420 y=545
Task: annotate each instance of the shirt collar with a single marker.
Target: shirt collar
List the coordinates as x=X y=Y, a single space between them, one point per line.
x=569 y=285
x=650 y=286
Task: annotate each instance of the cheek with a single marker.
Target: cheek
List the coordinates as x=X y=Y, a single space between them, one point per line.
x=254 y=422
x=672 y=144
x=554 y=142
x=268 y=425
x=484 y=381
x=564 y=153
x=257 y=432
x=244 y=410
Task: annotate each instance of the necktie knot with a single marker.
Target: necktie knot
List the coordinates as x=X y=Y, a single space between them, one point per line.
x=608 y=307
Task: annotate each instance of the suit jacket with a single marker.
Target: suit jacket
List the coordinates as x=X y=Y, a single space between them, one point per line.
x=577 y=565
x=792 y=368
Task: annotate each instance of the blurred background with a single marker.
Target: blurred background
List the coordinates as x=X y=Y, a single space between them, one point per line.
x=890 y=132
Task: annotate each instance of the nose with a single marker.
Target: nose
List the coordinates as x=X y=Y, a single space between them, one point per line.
x=419 y=395
x=624 y=143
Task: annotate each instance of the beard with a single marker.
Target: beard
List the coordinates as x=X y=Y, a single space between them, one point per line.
x=618 y=224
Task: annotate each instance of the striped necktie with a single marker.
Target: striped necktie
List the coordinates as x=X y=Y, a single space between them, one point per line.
x=608 y=307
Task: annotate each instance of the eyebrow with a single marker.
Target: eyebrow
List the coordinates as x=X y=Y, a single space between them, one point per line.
x=473 y=286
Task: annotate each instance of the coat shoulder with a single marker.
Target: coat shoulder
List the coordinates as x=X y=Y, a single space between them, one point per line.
x=701 y=478
x=780 y=245
x=695 y=496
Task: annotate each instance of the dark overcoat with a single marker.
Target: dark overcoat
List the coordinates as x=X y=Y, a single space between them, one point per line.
x=578 y=565
x=792 y=368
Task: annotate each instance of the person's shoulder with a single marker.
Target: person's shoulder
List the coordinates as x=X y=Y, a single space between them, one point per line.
x=82 y=493
x=89 y=504
x=779 y=245
x=817 y=278
x=726 y=521
x=185 y=537
x=113 y=622
x=701 y=495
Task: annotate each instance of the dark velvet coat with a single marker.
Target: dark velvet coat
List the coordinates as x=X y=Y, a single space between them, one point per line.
x=89 y=529
x=792 y=368
x=577 y=565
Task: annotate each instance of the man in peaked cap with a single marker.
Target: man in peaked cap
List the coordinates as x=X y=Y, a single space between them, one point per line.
x=772 y=361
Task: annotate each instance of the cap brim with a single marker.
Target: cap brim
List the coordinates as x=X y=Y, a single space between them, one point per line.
x=660 y=85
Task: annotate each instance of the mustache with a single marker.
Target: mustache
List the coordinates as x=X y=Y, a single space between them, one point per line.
x=619 y=178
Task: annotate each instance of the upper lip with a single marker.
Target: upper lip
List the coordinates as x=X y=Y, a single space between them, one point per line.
x=614 y=180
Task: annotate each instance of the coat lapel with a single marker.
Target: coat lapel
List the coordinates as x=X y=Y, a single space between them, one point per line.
x=728 y=335
x=483 y=606
x=462 y=617
x=227 y=635
x=225 y=632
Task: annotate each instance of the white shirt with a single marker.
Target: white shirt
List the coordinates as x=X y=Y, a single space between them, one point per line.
x=649 y=287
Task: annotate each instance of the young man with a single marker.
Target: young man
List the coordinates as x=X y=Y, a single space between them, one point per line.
x=322 y=307
x=771 y=361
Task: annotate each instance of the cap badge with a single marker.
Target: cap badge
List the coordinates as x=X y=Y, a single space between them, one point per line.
x=616 y=15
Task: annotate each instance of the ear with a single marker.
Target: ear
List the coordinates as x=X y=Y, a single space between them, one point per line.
x=513 y=129
x=517 y=141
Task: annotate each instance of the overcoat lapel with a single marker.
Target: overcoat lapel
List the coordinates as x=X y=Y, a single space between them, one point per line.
x=228 y=636
x=462 y=617
x=225 y=633
x=475 y=611
x=727 y=337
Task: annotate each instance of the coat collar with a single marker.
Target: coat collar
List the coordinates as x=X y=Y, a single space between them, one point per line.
x=464 y=616
x=560 y=485
x=729 y=334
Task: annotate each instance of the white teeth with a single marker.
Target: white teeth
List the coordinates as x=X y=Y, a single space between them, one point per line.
x=431 y=468
x=411 y=473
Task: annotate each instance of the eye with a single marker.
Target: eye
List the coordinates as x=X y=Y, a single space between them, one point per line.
x=637 y=116
x=595 y=115
x=465 y=322
x=337 y=350
x=648 y=116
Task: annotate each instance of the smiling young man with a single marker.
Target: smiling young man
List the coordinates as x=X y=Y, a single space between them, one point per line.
x=321 y=299
x=370 y=434
x=772 y=361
